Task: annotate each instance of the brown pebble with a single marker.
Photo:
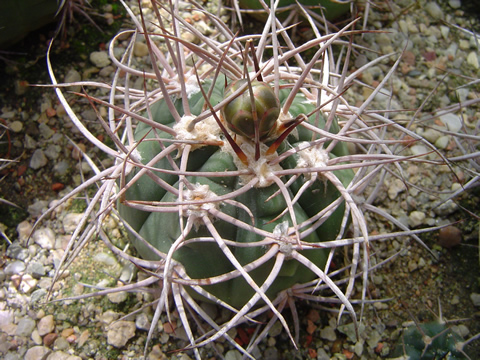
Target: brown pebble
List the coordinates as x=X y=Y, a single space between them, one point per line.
x=409 y=58
x=51 y=112
x=449 y=237
x=313 y=315
x=169 y=328
x=57 y=186
x=67 y=332
x=76 y=153
x=311 y=327
x=49 y=339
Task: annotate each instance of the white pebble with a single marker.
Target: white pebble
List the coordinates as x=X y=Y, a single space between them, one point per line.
x=105 y=259
x=37 y=352
x=44 y=237
x=140 y=49
x=419 y=149
x=442 y=142
x=120 y=332
x=455 y=3
x=16 y=126
x=24 y=229
x=71 y=221
x=416 y=218
x=100 y=59
x=452 y=122
x=472 y=59
x=434 y=10
x=431 y=135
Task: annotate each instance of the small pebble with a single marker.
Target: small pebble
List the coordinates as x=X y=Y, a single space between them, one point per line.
x=37 y=353
x=455 y=4
x=100 y=59
x=434 y=10
x=49 y=339
x=117 y=297
x=449 y=236
x=472 y=60
x=38 y=159
x=475 y=299
x=71 y=221
x=46 y=325
x=140 y=49
x=71 y=77
x=142 y=322
x=328 y=333
x=416 y=218
x=16 y=126
x=15 y=267
x=452 y=122
x=120 y=332
x=25 y=327
x=44 y=237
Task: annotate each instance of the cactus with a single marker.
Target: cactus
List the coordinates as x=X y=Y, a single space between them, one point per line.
x=331 y=9
x=247 y=214
x=429 y=341
x=258 y=206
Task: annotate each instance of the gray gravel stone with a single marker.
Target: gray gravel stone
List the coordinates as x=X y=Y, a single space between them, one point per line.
x=36 y=269
x=142 y=322
x=38 y=159
x=475 y=299
x=328 y=333
x=61 y=168
x=71 y=221
x=73 y=76
x=15 y=251
x=25 y=327
x=53 y=151
x=45 y=131
x=37 y=208
x=15 y=267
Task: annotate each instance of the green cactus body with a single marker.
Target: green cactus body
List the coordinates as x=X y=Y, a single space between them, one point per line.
x=330 y=8
x=206 y=259
x=443 y=343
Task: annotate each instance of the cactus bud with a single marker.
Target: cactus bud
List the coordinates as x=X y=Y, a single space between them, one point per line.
x=238 y=113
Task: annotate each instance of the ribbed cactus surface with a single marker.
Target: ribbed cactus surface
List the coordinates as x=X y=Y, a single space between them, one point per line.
x=262 y=207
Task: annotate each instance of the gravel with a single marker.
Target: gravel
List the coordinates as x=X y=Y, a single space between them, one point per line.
x=92 y=328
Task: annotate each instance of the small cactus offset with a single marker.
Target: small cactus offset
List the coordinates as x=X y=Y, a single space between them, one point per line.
x=232 y=173
x=429 y=341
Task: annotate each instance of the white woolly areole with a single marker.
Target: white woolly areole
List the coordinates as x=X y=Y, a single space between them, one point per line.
x=281 y=234
x=206 y=130
x=260 y=169
x=133 y=155
x=191 y=84
x=311 y=156
x=196 y=211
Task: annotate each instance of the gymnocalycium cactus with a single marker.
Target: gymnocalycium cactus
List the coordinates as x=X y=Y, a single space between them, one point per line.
x=224 y=200
x=248 y=205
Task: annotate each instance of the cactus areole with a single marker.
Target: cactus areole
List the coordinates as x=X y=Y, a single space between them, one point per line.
x=241 y=219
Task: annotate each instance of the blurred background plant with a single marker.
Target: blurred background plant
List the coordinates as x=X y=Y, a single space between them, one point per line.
x=19 y=18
